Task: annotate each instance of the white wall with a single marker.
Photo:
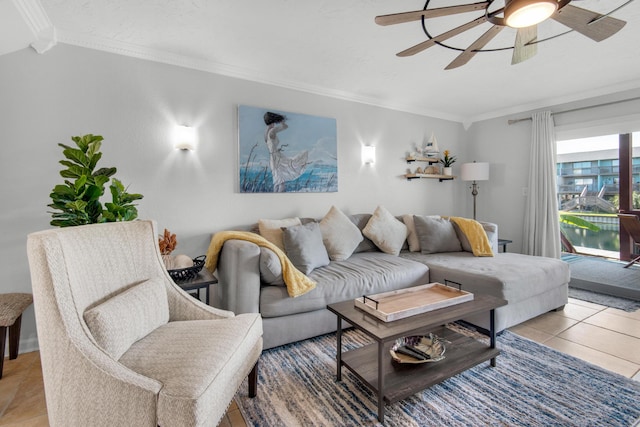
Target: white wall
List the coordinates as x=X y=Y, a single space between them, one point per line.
x=500 y=199
x=134 y=104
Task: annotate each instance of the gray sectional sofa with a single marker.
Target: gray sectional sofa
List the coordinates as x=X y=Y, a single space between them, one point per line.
x=250 y=281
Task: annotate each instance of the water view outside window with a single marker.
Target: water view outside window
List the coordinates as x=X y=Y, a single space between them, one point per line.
x=588 y=187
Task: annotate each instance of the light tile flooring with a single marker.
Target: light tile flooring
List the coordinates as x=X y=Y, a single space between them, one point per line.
x=603 y=336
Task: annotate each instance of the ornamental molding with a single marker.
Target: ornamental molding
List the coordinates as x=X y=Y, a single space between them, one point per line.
x=38 y=23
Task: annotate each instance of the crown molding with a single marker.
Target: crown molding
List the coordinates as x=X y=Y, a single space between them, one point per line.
x=155 y=55
x=560 y=100
x=38 y=23
x=140 y=52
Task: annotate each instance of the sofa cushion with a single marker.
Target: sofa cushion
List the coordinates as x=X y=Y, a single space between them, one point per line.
x=364 y=273
x=340 y=236
x=436 y=235
x=129 y=316
x=303 y=245
x=387 y=232
x=193 y=360
x=271 y=229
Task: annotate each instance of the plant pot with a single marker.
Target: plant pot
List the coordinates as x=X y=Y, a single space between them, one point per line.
x=447 y=171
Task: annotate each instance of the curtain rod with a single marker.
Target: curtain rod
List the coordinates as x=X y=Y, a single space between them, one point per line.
x=512 y=121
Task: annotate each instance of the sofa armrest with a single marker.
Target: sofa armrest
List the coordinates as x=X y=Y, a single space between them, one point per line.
x=492 y=234
x=239 y=277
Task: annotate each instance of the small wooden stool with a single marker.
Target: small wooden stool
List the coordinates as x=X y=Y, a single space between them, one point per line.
x=11 y=308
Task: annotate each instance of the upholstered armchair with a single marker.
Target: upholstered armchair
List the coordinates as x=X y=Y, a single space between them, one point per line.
x=121 y=344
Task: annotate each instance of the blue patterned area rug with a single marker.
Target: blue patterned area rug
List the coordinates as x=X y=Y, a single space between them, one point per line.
x=532 y=385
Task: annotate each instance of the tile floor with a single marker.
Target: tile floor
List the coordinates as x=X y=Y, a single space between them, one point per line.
x=603 y=336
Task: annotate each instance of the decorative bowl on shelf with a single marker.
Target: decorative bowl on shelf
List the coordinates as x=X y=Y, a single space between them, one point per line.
x=418 y=349
x=183 y=274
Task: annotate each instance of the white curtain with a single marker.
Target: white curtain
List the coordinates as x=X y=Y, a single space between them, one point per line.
x=541 y=221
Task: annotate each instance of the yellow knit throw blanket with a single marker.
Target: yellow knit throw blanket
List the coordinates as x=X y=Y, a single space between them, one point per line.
x=297 y=283
x=475 y=234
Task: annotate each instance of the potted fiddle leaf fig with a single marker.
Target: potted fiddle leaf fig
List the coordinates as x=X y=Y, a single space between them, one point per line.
x=77 y=201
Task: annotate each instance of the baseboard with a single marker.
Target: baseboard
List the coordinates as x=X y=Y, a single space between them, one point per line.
x=26 y=346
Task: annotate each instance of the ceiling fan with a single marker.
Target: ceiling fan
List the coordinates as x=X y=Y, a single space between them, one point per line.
x=523 y=15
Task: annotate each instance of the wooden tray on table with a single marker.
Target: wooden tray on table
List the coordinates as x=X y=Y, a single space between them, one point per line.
x=394 y=305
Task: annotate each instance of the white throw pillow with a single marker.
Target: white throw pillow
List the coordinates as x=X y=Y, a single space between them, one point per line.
x=129 y=316
x=271 y=229
x=386 y=231
x=339 y=235
x=412 y=236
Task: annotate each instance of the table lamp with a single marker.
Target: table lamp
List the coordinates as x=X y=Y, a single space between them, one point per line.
x=474 y=172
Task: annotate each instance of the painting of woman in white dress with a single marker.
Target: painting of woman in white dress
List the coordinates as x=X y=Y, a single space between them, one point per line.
x=286 y=152
x=283 y=168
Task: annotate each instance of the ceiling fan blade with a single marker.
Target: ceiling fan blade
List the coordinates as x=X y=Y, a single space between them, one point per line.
x=442 y=37
x=591 y=24
x=399 y=18
x=522 y=49
x=470 y=52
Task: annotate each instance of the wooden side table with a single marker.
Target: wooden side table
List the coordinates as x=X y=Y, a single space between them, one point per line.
x=202 y=281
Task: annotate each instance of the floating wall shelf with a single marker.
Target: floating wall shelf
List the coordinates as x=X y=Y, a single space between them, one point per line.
x=440 y=178
x=429 y=160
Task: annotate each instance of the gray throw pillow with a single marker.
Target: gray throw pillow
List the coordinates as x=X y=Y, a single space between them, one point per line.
x=303 y=245
x=361 y=220
x=464 y=241
x=270 y=267
x=436 y=235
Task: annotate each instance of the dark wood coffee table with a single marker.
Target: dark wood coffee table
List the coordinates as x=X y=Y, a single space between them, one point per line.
x=392 y=381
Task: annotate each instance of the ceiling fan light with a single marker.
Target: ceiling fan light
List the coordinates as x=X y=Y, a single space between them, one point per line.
x=524 y=13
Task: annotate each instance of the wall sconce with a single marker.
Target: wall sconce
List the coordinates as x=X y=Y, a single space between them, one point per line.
x=368 y=154
x=185 y=138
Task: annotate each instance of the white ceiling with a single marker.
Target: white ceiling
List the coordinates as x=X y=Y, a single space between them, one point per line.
x=333 y=47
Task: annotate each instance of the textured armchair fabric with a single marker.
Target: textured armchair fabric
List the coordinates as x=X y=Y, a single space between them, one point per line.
x=183 y=373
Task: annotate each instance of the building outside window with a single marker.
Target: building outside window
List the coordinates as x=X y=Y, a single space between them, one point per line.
x=588 y=186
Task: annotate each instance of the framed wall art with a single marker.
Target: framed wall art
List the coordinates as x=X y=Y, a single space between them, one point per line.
x=282 y=152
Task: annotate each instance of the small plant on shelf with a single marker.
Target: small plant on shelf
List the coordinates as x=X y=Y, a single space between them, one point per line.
x=447 y=160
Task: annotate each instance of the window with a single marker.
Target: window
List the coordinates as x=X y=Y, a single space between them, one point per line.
x=590 y=186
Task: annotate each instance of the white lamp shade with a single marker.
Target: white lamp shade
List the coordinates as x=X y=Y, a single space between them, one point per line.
x=474 y=171
x=368 y=154
x=185 y=138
